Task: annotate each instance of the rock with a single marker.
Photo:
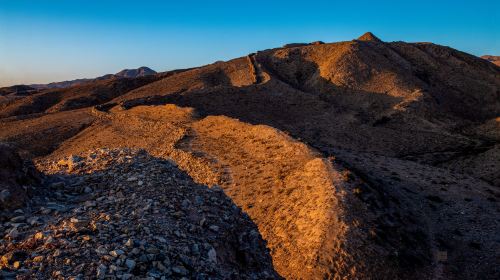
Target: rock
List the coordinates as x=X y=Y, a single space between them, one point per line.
x=195 y=249
x=131 y=179
x=212 y=255
x=101 y=271
x=49 y=240
x=4 y=195
x=57 y=185
x=18 y=219
x=90 y=203
x=155 y=274
x=214 y=228
x=143 y=258
x=71 y=162
x=161 y=267
x=127 y=276
x=185 y=204
x=38 y=259
x=180 y=270
x=87 y=190
x=161 y=239
x=130 y=264
x=101 y=250
x=57 y=253
x=116 y=253
x=198 y=200
x=38 y=235
x=13 y=234
x=34 y=221
x=129 y=243
x=135 y=251
x=16 y=256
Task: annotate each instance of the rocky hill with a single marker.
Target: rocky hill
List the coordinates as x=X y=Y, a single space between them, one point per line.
x=362 y=159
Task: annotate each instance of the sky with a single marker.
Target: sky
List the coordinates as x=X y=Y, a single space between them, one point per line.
x=52 y=40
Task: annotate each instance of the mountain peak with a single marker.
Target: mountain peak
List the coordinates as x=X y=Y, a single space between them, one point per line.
x=368 y=36
x=133 y=73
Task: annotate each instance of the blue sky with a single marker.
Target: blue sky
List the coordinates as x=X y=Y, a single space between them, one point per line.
x=52 y=40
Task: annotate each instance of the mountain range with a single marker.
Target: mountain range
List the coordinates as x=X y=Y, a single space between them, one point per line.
x=125 y=73
x=361 y=159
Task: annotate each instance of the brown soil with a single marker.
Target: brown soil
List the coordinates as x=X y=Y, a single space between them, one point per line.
x=359 y=159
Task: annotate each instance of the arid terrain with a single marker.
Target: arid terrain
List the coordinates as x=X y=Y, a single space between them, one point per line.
x=361 y=159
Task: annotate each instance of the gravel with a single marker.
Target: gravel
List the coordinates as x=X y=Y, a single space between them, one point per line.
x=101 y=223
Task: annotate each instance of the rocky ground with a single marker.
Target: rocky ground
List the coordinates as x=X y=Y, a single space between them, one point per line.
x=123 y=214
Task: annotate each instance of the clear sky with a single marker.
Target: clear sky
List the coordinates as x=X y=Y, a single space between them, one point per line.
x=53 y=40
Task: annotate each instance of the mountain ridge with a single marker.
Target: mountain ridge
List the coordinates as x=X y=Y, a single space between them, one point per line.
x=125 y=73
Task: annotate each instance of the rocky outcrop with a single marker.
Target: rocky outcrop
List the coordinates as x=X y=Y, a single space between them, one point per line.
x=17 y=179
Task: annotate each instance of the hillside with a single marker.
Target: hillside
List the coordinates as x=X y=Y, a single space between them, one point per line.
x=359 y=160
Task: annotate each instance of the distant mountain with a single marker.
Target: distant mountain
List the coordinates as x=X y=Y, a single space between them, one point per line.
x=125 y=73
x=134 y=73
x=495 y=59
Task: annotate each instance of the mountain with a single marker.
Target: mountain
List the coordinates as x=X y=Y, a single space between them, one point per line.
x=368 y=36
x=126 y=73
x=134 y=73
x=361 y=159
x=492 y=58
